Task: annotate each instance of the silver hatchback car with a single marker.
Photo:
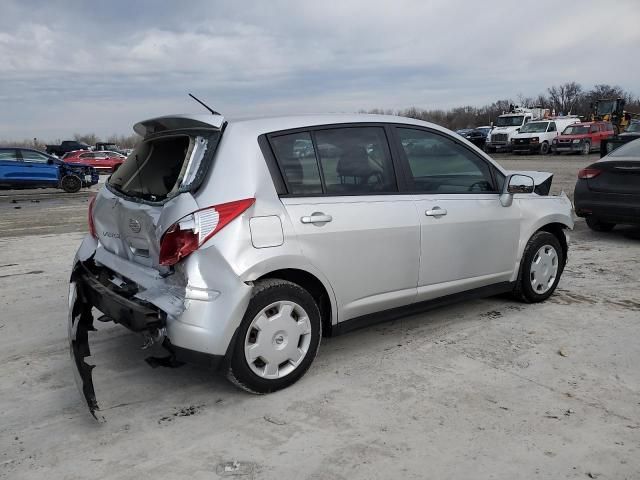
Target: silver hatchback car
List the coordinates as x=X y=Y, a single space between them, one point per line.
x=239 y=245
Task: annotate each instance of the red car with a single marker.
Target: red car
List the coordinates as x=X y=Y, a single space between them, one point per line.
x=582 y=137
x=103 y=161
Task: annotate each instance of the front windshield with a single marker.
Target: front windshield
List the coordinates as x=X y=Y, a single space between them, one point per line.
x=535 y=127
x=576 y=130
x=509 y=121
x=606 y=107
x=634 y=127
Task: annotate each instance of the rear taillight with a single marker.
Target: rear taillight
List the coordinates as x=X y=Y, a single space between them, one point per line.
x=190 y=232
x=587 y=173
x=92 y=226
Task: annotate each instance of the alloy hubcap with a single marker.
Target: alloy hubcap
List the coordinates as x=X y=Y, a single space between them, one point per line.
x=277 y=340
x=544 y=269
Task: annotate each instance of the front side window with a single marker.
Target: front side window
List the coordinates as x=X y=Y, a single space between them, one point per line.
x=552 y=126
x=439 y=165
x=34 y=157
x=355 y=160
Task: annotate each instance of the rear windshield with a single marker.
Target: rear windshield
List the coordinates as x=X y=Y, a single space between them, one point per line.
x=162 y=167
x=631 y=149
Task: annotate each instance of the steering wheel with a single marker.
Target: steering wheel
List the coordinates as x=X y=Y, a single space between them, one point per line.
x=481 y=184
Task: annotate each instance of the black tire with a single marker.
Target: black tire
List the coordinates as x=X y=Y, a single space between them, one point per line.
x=524 y=290
x=266 y=292
x=586 y=149
x=599 y=226
x=544 y=148
x=71 y=183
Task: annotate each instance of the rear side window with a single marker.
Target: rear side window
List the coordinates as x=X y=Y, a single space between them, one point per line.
x=337 y=161
x=297 y=159
x=8 y=155
x=160 y=168
x=355 y=160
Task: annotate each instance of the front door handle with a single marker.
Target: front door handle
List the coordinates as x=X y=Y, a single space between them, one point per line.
x=435 y=212
x=316 y=217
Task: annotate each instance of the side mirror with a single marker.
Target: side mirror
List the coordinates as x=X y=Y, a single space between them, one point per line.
x=516 y=184
x=49 y=161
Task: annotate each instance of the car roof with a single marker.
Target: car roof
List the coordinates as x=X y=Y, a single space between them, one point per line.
x=261 y=125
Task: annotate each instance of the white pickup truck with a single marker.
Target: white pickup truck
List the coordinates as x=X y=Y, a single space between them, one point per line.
x=508 y=124
x=536 y=136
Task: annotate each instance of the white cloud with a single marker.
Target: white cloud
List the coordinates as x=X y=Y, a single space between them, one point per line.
x=104 y=66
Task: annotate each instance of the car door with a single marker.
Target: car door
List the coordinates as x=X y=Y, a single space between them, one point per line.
x=39 y=169
x=467 y=238
x=351 y=221
x=10 y=168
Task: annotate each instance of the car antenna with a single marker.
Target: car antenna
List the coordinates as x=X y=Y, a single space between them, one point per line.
x=213 y=112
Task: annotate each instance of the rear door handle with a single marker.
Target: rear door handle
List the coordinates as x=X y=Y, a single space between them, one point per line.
x=435 y=212
x=316 y=217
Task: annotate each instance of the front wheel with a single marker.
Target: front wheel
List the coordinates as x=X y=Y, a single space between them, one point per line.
x=71 y=183
x=278 y=338
x=586 y=148
x=540 y=269
x=544 y=148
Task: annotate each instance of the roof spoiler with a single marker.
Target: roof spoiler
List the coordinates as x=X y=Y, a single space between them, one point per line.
x=178 y=122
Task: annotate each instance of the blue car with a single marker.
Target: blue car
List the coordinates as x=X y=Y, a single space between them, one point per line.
x=28 y=168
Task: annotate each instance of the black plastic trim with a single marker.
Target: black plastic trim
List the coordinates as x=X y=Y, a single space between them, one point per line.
x=394 y=313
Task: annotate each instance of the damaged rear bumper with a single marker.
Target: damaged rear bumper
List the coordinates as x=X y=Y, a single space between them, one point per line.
x=90 y=288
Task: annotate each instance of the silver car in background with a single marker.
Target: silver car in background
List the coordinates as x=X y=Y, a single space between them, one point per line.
x=238 y=245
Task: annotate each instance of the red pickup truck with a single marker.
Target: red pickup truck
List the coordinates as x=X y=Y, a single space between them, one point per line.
x=582 y=137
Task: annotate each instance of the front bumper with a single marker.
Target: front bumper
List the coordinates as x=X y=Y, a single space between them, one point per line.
x=194 y=324
x=529 y=148
x=567 y=148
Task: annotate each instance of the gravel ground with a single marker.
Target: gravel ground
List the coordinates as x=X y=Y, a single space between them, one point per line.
x=483 y=389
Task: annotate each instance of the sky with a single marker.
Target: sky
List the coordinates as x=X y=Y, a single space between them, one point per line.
x=74 y=66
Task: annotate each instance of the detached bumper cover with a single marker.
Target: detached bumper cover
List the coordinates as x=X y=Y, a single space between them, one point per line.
x=91 y=287
x=87 y=290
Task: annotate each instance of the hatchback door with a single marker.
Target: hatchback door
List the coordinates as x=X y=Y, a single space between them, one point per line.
x=151 y=191
x=468 y=239
x=350 y=220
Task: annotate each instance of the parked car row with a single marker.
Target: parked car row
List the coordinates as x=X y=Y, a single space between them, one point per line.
x=28 y=168
x=68 y=146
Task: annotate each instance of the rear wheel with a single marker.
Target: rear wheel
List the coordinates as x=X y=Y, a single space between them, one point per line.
x=71 y=183
x=598 y=226
x=540 y=269
x=278 y=338
x=586 y=148
x=544 y=148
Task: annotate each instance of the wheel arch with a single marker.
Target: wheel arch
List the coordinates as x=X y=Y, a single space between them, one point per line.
x=312 y=284
x=557 y=229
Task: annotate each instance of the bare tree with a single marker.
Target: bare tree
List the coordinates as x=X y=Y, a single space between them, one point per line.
x=565 y=97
